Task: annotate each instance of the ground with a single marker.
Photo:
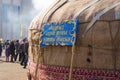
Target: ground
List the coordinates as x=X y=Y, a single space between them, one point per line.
x=11 y=71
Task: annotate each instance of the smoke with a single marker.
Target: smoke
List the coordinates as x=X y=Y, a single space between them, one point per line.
x=14 y=23
x=32 y=10
x=24 y=17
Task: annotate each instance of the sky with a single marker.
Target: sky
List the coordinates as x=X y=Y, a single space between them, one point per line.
x=42 y=4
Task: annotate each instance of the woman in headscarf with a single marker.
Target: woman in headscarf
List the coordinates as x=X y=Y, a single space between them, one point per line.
x=7 y=52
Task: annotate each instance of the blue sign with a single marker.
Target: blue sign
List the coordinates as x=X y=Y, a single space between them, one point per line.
x=59 y=34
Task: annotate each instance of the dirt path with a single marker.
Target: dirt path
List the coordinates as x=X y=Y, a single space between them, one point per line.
x=11 y=71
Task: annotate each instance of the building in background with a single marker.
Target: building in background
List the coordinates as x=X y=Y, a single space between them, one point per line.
x=14 y=14
x=26 y=16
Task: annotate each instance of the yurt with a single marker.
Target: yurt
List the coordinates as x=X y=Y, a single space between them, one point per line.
x=95 y=52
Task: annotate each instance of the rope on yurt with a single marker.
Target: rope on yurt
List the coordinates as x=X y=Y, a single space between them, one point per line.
x=58 y=6
x=36 y=71
x=73 y=47
x=113 y=52
x=30 y=43
x=114 y=44
x=45 y=14
x=84 y=8
x=98 y=16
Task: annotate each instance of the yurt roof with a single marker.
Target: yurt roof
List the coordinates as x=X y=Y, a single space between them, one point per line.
x=62 y=10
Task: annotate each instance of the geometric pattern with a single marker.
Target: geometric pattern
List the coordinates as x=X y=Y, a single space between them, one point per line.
x=46 y=72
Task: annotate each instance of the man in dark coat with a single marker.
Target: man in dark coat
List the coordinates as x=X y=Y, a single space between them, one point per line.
x=22 y=54
x=17 y=47
x=0 y=49
x=12 y=51
x=26 y=45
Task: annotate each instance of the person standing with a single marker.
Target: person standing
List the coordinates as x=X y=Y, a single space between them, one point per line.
x=6 y=43
x=26 y=45
x=0 y=49
x=17 y=47
x=7 y=52
x=12 y=51
x=22 y=55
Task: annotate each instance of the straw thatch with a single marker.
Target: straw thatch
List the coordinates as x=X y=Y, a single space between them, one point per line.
x=99 y=49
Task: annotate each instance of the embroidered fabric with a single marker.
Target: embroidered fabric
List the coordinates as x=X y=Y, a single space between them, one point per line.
x=46 y=72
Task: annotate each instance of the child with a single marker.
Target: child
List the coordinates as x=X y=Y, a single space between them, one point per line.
x=7 y=53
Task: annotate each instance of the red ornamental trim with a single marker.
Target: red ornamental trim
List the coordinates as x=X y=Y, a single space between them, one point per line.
x=46 y=72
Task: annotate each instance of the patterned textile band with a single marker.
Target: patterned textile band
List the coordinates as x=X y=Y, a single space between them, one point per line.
x=46 y=72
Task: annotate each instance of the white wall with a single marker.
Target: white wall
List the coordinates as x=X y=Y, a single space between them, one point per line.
x=0 y=19
x=17 y=2
x=6 y=1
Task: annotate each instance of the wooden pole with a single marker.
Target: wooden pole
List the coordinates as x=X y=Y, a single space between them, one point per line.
x=72 y=60
x=36 y=70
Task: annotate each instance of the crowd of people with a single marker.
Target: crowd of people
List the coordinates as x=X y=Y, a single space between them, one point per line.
x=15 y=50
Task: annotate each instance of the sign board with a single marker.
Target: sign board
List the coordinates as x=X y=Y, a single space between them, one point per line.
x=62 y=34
